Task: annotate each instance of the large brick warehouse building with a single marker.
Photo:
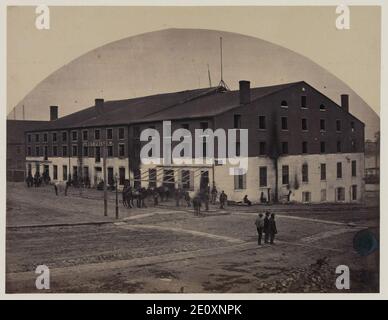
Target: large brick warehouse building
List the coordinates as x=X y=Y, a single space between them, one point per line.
x=302 y=146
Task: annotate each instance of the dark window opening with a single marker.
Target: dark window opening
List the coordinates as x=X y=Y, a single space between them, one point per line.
x=204 y=125
x=354 y=168
x=55 y=172
x=263 y=176
x=110 y=151
x=323 y=147
x=262 y=124
x=55 y=151
x=338 y=125
x=121 y=133
x=262 y=148
x=237 y=121
x=353 y=145
x=323 y=171
x=122 y=175
x=285 y=175
x=121 y=150
x=322 y=124
x=304 y=124
x=284 y=147
x=186 y=181
x=97 y=154
x=305 y=173
x=303 y=101
x=304 y=147
x=64 y=173
x=339 y=170
x=354 y=192
x=97 y=134
x=284 y=123
x=109 y=134
x=339 y=146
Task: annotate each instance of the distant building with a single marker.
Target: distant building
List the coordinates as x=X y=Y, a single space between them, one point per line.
x=372 y=161
x=16 y=148
x=302 y=146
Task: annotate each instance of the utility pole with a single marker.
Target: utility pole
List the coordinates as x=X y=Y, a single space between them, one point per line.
x=105 y=189
x=117 y=197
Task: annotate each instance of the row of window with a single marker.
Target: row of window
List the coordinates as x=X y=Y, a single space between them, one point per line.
x=85 y=172
x=74 y=135
x=305 y=147
x=339 y=194
x=304 y=124
x=240 y=180
x=75 y=152
x=303 y=104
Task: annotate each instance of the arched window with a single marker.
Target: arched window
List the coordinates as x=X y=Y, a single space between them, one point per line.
x=284 y=104
x=322 y=107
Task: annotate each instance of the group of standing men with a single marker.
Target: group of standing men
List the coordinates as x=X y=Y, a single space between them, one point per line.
x=207 y=196
x=266 y=225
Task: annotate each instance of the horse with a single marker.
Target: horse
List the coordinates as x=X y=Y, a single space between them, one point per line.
x=60 y=186
x=127 y=197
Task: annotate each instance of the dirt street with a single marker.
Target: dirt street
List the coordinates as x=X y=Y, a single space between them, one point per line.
x=168 y=249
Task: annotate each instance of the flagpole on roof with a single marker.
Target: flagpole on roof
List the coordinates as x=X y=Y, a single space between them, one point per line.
x=222 y=83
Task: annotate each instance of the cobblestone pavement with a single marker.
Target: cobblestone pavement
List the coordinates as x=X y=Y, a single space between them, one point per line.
x=168 y=249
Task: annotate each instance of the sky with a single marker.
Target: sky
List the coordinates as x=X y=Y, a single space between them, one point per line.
x=352 y=55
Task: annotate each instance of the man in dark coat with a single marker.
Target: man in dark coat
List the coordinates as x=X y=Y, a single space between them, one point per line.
x=197 y=205
x=266 y=227
x=223 y=198
x=272 y=228
x=260 y=227
x=187 y=198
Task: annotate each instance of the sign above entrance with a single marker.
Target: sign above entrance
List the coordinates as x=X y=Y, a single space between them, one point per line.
x=99 y=143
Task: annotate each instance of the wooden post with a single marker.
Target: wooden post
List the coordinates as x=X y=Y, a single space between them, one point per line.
x=117 y=197
x=105 y=187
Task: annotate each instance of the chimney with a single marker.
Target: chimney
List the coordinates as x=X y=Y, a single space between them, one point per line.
x=345 y=102
x=53 y=113
x=245 y=92
x=99 y=103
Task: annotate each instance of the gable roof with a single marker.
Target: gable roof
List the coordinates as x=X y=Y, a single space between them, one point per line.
x=168 y=106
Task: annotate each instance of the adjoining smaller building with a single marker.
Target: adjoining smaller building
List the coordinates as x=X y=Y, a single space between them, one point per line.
x=16 y=147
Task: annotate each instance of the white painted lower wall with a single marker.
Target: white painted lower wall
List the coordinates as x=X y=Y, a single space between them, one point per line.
x=224 y=181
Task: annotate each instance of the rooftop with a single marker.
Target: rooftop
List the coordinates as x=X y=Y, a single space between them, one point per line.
x=168 y=106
